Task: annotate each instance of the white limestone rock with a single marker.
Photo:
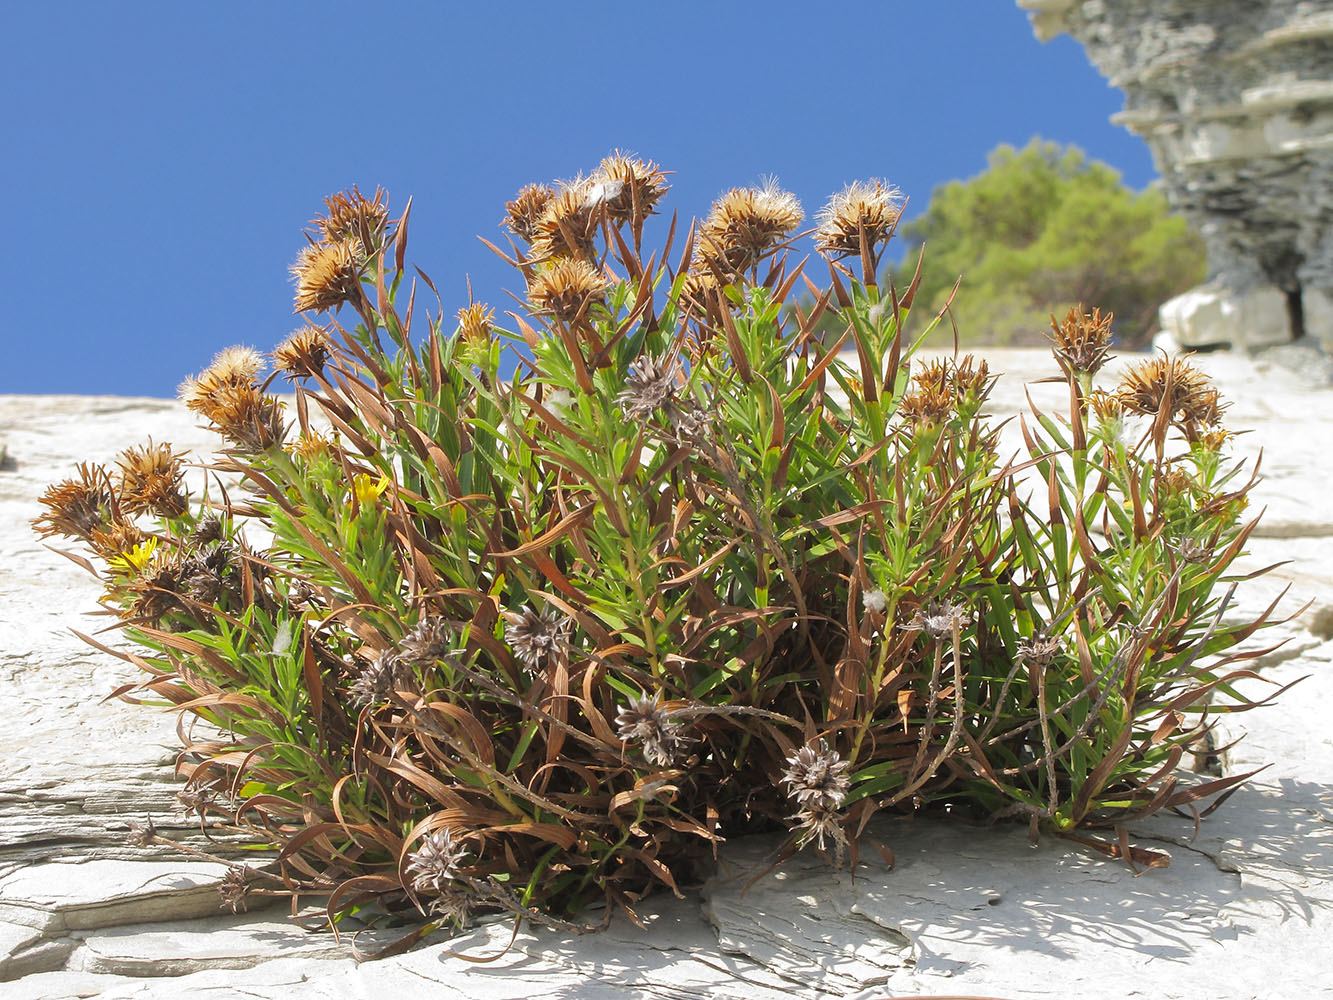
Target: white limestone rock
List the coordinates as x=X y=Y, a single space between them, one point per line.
x=1211 y=315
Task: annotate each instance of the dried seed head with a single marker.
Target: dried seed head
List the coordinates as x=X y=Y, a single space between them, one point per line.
x=634 y=183
x=118 y=540
x=1082 y=341
x=1201 y=413
x=454 y=905
x=939 y=619
x=534 y=638
x=651 y=385
x=568 y=224
x=141 y=834
x=209 y=529
x=817 y=778
x=1214 y=440
x=350 y=215
x=647 y=721
x=303 y=354
x=566 y=289
x=872 y=207
x=232 y=367
x=378 y=679
x=701 y=285
x=433 y=864
x=474 y=323
x=234 y=888
x=1039 y=648
x=819 y=824
x=1144 y=387
x=79 y=508
x=247 y=418
x=327 y=275
x=430 y=639
x=1175 y=482
x=150 y=480
x=528 y=206
x=159 y=591
x=744 y=225
x=1191 y=550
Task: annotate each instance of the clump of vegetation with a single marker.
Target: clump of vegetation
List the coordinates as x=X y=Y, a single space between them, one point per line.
x=1043 y=228
x=456 y=639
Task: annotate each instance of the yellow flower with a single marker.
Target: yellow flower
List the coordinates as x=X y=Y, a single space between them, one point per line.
x=367 y=490
x=135 y=560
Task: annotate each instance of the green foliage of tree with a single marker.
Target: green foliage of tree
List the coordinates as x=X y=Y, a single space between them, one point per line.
x=1041 y=229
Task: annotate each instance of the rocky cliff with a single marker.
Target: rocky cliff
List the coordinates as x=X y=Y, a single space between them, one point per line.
x=1235 y=100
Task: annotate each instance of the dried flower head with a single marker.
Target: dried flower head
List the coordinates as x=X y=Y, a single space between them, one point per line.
x=566 y=289
x=207 y=531
x=870 y=207
x=159 y=591
x=150 y=480
x=1201 y=413
x=651 y=385
x=743 y=226
x=925 y=409
x=433 y=864
x=1170 y=383
x=939 y=619
x=303 y=354
x=350 y=215
x=249 y=419
x=528 y=206
x=378 y=679
x=116 y=541
x=79 y=508
x=234 y=888
x=141 y=834
x=568 y=224
x=629 y=186
x=1039 y=649
x=1106 y=406
x=1191 y=550
x=232 y=367
x=474 y=323
x=534 y=637
x=817 y=778
x=428 y=641
x=327 y=275
x=647 y=721
x=1082 y=341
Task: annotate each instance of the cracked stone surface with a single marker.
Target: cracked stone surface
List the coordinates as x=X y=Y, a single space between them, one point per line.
x=1244 y=911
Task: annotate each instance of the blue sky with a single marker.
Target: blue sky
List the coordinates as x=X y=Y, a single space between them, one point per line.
x=162 y=158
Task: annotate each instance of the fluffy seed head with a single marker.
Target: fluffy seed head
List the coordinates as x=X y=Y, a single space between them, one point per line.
x=1081 y=340
x=327 y=275
x=81 y=507
x=303 y=354
x=566 y=288
x=150 y=480
x=872 y=207
x=744 y=225
x=528 y=206
x=247 y=418
x=231 y=367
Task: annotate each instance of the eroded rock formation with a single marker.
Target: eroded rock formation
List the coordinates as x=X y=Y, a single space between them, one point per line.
x=1235 y=100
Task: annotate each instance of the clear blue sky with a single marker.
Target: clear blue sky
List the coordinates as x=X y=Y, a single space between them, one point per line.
x=162 y=158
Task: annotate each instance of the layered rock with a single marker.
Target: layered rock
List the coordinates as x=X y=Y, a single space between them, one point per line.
x=1235 y=100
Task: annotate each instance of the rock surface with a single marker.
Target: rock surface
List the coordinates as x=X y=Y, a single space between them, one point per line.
x=1235 y=100
x=1244 y=911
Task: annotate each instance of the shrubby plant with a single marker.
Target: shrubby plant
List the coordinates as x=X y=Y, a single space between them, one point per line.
x=463 y=635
